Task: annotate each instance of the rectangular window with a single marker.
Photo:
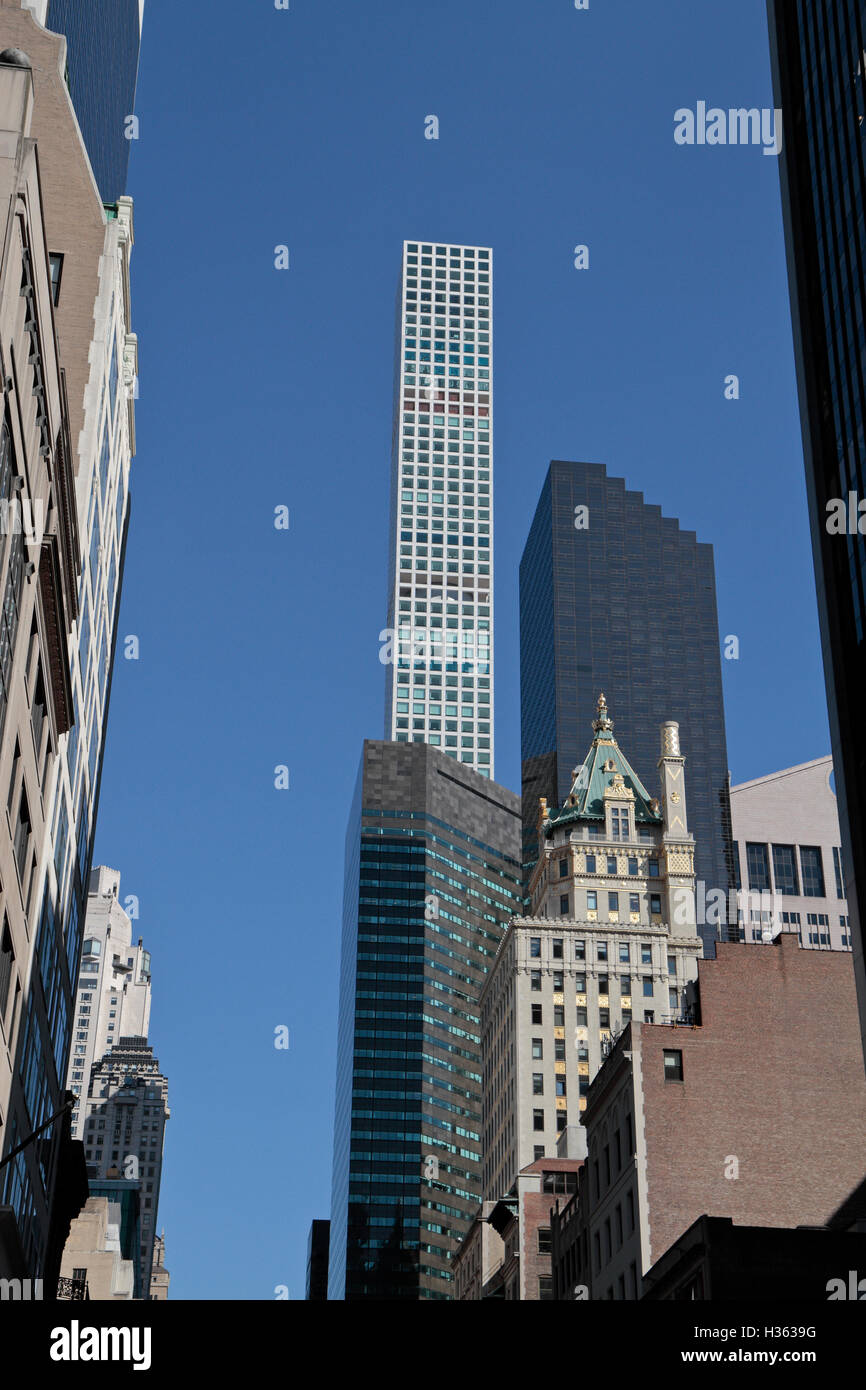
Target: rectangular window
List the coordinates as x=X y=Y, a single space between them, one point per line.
x=655 y=904
x=536 y=1013
x=632 y=866
x=537 y=1049
x=590 y=863
x=624 y=953
x=602 y=950
x=535 y=946
x=7 y=960
x=535 y=979
x=544 y=1245
x=812 y=870
x=563 y=905
x=611 y=863
x=603 y=984
x=613 y=902
x=758 y=865
x=563 y=868
x=785 y=870
x=673 y=1064
x=647 y=987
x=840 y=878
x=538 y=1083
x=653 y=866
x=646 y=954
x=557 y=948
x=625 y=984
x=580 y=949
x=538 y=1119
x=591 y=901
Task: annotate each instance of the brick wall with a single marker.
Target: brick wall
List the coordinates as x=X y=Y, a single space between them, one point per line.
x=774 y=1079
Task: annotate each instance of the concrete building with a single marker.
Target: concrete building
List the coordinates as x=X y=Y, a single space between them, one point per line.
x=87 y=251
x=610 y=937
x=125 y=1115
x=38 y=574
x=507 y=1252
x=93 y=1266
x=756 y=1112
x=478 y=1258
x=114 y=986
x=432 y=878
x=787 y=843
x=439 y=637
x=159 y=1276
x=616 y=597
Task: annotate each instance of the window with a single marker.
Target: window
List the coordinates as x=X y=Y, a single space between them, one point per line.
x=538 y=1119
x=619 y=823
x=590 y=863
x=604 y=1018
x=55 y=261
x=580 y=950
x=544 y=1245
x=673 y=1064
x=560 y=1086
x=557 y=948
x=591 y=904
x=602 y=950
x=812 y=870
x=603 y=984
x=7 y=961
x=563 y=905
x=535 y=946
x=611 y=863
x=580 y=984
x=758 y=865
x=559 y=1015
x=647 y=987
x=785 y=870
x=22 y=834
x=840 y=878
x=646 y=954
x=557 y=982
x=624 y=953
x=653 y=866
x=655 y=903
x=581 y=1016
x=537 y=1152
x=613 y=902
x=537 y=1083
x=563 y=868
x=537 y=1048
x=536 y=1013
x=632 y=866
x=625 y=984
x=535 y=979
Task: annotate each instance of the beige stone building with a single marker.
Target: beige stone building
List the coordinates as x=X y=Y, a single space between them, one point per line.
x=93 y=1266
x=611 y=937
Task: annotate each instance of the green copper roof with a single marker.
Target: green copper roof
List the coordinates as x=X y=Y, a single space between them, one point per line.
x=604 y=763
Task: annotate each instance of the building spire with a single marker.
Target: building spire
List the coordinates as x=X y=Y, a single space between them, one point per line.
x=602 y=724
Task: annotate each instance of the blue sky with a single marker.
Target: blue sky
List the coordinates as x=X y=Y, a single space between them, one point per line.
x=262 y=388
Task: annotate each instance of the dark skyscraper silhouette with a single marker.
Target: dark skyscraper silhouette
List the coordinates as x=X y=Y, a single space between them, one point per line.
x=819 y=56
x=617 y=598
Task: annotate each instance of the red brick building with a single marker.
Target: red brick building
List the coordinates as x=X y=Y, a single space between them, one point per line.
x=756 y=1113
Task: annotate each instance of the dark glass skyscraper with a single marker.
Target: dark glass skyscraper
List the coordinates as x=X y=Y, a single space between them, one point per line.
x=819 y=73
x=617 y=599
x=103 y=39
x=432 y=878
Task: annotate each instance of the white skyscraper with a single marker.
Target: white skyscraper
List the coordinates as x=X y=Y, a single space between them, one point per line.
x=113 y=996
x=438 y=645
x=123 y=1096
